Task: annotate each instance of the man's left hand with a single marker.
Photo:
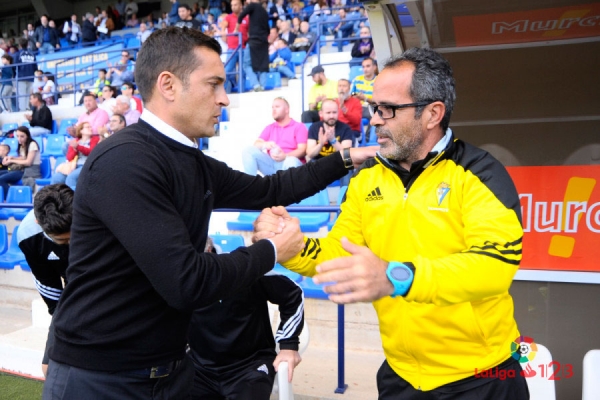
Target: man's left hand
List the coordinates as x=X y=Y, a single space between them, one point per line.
x=292 y=357
x=360 y=277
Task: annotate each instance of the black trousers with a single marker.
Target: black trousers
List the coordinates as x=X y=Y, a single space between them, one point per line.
x=65 y=382
x=252 y=381
x=392 y=387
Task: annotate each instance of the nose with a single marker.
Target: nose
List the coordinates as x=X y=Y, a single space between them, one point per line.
x=376 y=120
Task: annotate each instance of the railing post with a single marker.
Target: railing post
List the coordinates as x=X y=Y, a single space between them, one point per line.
x=341 y=386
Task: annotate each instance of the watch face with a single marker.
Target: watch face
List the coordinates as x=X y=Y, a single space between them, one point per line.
x=400 y=274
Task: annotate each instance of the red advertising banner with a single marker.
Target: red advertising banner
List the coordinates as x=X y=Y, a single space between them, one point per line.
x=561 y=216
x=574 y=21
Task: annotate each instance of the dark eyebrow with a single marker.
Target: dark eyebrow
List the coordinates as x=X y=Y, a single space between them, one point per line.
x=220 y=79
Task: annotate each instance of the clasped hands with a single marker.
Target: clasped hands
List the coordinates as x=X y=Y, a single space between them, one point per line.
x=358 y=277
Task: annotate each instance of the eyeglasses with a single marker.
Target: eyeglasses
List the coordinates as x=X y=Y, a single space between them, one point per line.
x=125 y=87
x=388 y=111
x=124 y=55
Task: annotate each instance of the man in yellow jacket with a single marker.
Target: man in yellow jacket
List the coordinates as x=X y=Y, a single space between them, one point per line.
x=430 y=231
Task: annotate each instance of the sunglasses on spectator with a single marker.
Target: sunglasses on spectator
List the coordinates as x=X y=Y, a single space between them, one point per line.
x=125 y=87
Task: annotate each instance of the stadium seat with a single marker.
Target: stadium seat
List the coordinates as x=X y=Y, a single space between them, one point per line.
x=64 y=124
x=540 y=387
x=40 y=143
x=591 y=375
x=372 y=138
x=281 y=270
x=355 y=71
x=14 y=255
x=24 y=266
x=46 y=170
x=134 y=42
x=312 y=290
x=3 y=239
x=16 y=194
x=227 y=243
x=224 y=115
x=341 y=195
x=273 y=80
x=14 y=144
x=25 y=123
x=307 y=124
x=9 y=126
x=298 y=57
x=54 y=144
x=54 y=126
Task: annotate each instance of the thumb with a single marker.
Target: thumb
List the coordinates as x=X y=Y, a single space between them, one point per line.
x=350 y=247
x=280 y=211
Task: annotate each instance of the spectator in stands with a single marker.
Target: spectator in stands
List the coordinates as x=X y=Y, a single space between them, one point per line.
x=97 y=117
x=281 y=145
x=115 y=124
x=256 y=54
x=88 y=29
x=40 y=119
x=322 y=89
x=4 y=151
x=6 y=83
x=123 y=107
x=46 y=38
x=127 y=89
x=49 y=90
x=77 y=153
x=277 y=13
x=38 y=82
x=131 y=10
x=28 y=34
x=185 y=18
x=362 y=48
x=108 y=99
x=215 y=8
x=72 y=30
x=285 y=32
x=239 y=361
x=25 y=73
x=43 y=237
x=272 y=38
x=122 y=71
x=105 y=24
x=305 y=38
x=208 y=27
x=343 y=29
x=173 y=15
x=362 y=85
x=329 y=135
x=120 y=8
x=133 y=21
x=296 y=21
x=350 y=109
x=98 y=15
x=100 y=82
x=229 y=25
x=143 y=34
x=280 y=59
x=25 y=166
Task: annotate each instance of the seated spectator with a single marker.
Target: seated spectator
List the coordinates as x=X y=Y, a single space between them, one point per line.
x=6 y=83
x=280 y=146
x=296 y=21
x=133 y=22
x=143 y=34
x=100 y=82
x=342 y=29
x=131 y=10
x=329 y=135
x=209 y=27
x=279 y=61
x=362 y=48
x=322 y=89
x=46 y=38
x=362 y=85
x=38 y=82
x=78 y=152
x=26 y=166
x=277 y=13
x=88 y=29
x=122 y=71
x=123 y=107
x=116 y=123
x=40 y=119
x=127 y=89
x=305 y=38
x=350 y=109
x=108 y=99
x=97 y=117
x=49 y=90
x=285 y=32
x=185 y=18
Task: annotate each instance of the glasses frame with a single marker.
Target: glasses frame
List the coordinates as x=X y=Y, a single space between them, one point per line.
x=374 y=108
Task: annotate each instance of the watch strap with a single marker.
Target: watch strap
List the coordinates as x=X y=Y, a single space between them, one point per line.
x=347 y=159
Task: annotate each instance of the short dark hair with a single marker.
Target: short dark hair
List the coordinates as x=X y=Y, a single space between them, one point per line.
x=170 y=49
x=8 y=57
x=53 y=208
x=87 y=93
x=102 y=70
x=369 y=58
x=432 y=79
x=121 y=118
x=186 y=6
x=129 y=85
x=37 y=95
x=23 y=43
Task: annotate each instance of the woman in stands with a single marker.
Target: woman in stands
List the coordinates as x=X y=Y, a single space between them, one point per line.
x=108 y=99
x=26 y=165
x=78 y=152
x=49 y=89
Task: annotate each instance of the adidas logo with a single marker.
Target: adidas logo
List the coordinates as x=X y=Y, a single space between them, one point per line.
x=263 y=368
x=53 y=256
x=374 y=195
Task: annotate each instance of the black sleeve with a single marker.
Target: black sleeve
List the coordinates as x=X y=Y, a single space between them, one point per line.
x=356 y=50
x=48 y=281
x=313 y=131
x=246 y=11
x=289 y=297
x=36 y=118
x=345 y=132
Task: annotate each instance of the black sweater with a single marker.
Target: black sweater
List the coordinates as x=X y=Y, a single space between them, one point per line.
x=137 y=262
x=259 y=21
x=42 y=116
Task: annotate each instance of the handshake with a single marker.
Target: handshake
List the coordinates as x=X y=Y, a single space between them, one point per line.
x=276 y=224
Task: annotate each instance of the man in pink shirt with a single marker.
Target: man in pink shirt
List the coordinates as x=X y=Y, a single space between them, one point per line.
x=97 y=117
x=281 y=145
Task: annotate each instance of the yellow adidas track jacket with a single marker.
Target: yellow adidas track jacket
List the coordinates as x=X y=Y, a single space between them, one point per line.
x=456 y=218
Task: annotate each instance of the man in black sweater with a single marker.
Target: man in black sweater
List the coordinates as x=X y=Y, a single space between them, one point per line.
x=41 y=117
x=140 y=223
x=256 y=53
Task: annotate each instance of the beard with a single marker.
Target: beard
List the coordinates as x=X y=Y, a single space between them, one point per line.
x=403 y=145
x=330 y=122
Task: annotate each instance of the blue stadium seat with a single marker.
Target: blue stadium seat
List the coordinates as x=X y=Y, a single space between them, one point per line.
x=14 y=144
x=227 y=243
x=224 y=115
x=281 y=270
x=244 y=221
x=9 y=126
x=40 y=143
x=312 y=290
x=355 y=71
x=64 y=124
x=54 y=126
x=340 y=197
x=14 y=255
x=307 y=124
x=3 y=239
x=372 y=138
x=46 y=170
x=298 y=57
x=25 y=123
x=16 y=194
x=133 y=42
x=273 y=80
x=54 y=144
x=24 y=266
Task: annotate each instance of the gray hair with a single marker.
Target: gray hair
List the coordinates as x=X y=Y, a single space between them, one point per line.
x=431 y=81
x=123 y=99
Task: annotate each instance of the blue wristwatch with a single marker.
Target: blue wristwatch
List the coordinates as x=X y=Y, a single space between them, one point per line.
x=401 y=277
